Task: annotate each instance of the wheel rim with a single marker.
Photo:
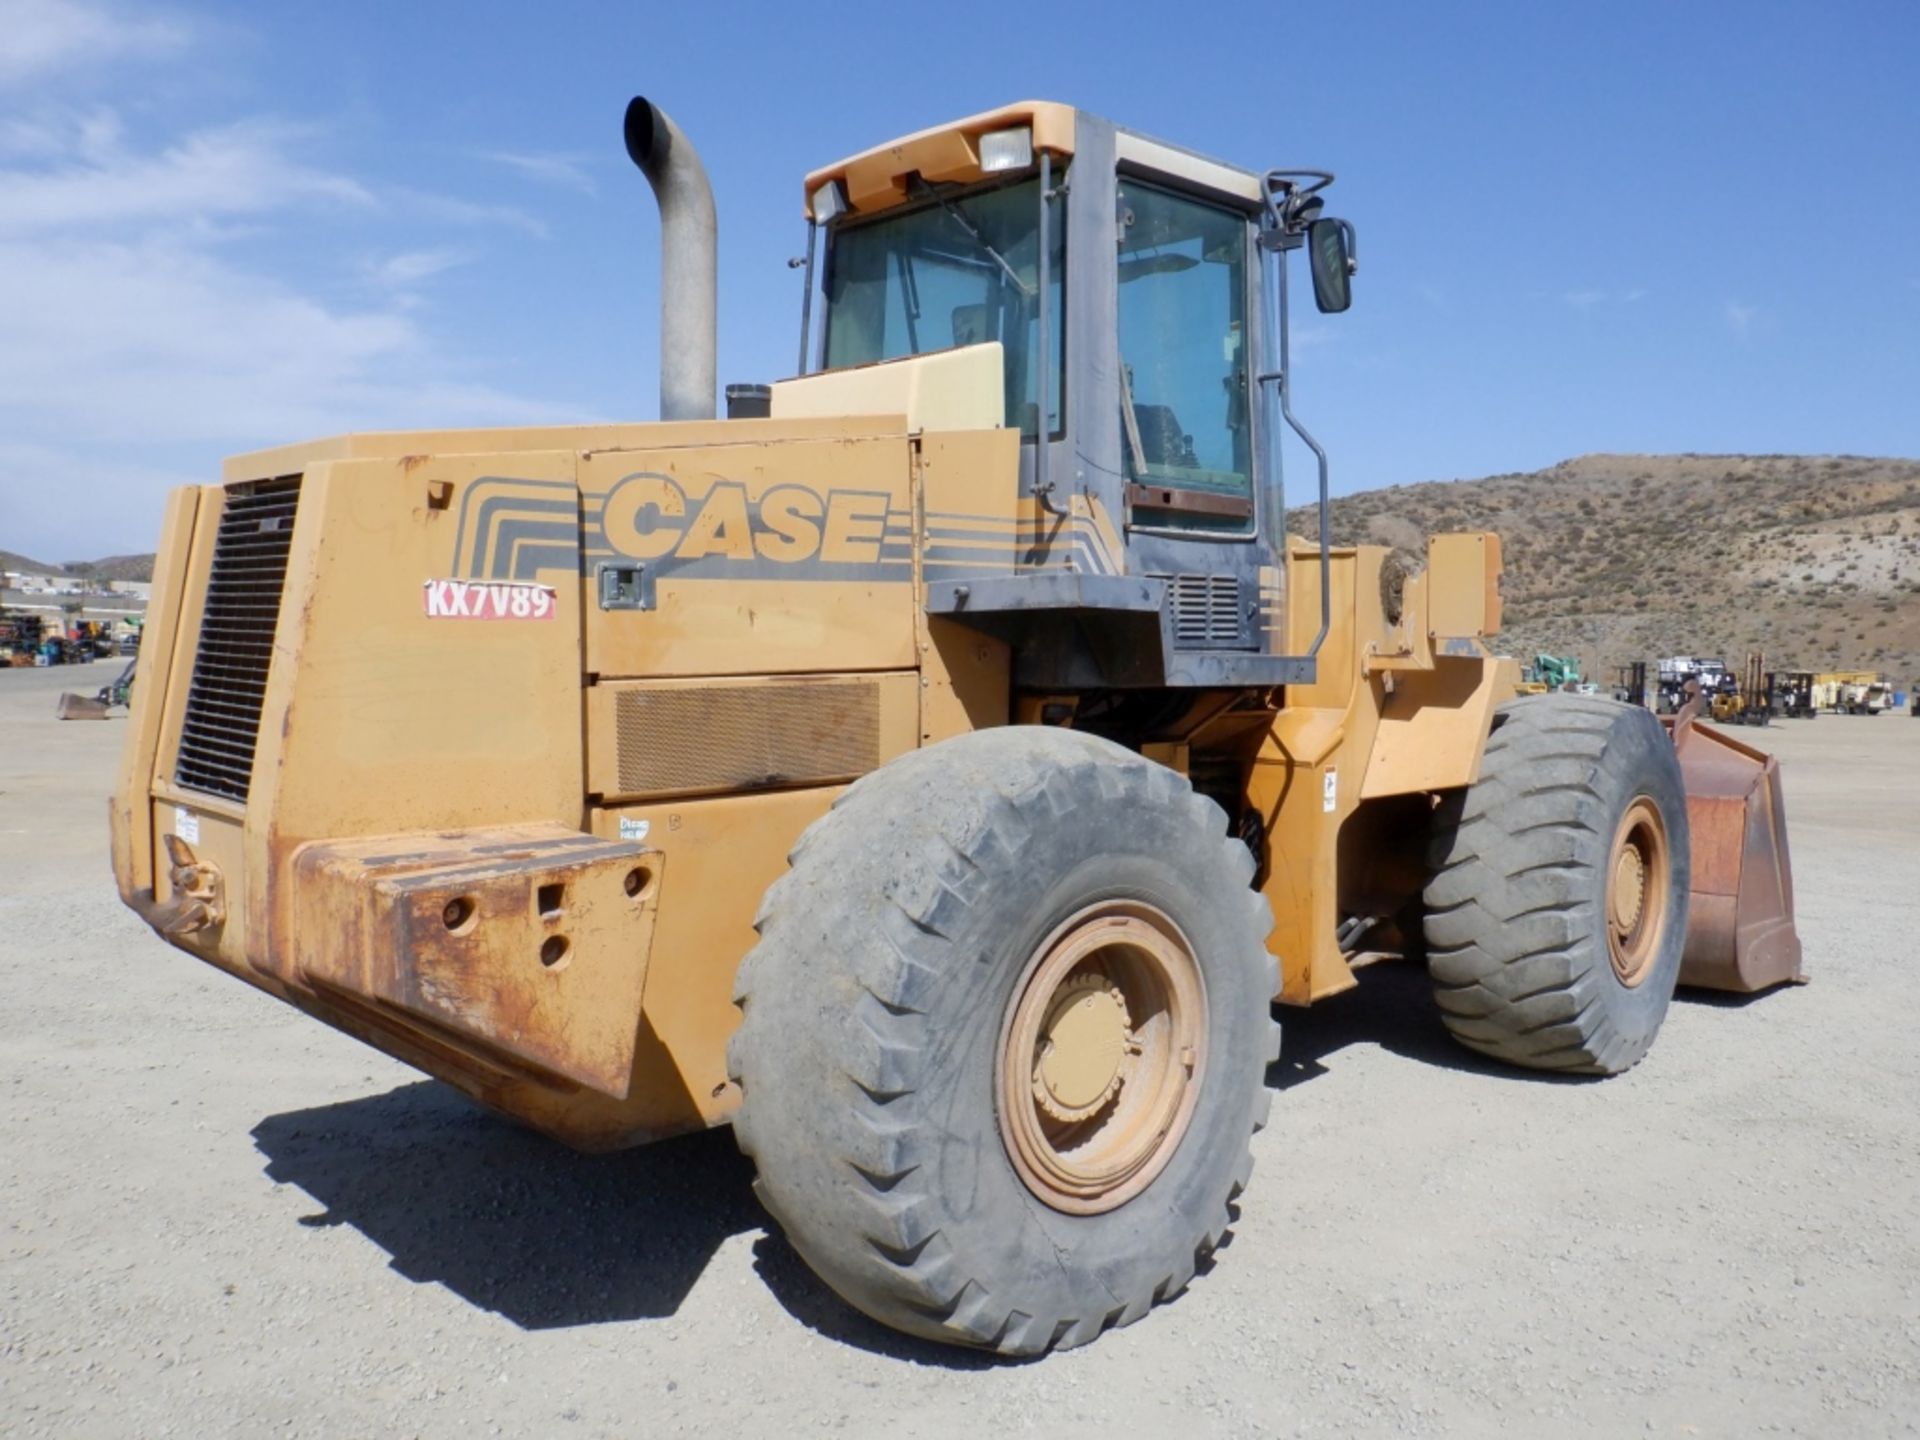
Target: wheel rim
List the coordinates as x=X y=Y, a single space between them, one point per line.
x=1101 y=1055
x=1637 y=891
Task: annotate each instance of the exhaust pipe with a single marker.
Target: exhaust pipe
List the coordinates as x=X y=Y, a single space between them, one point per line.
x=689 y=241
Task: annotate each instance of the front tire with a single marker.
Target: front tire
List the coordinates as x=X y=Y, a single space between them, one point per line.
x=1557 y=911
x=1004 y=1039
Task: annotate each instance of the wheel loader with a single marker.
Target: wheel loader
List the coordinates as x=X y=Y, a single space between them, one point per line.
x=939 y=775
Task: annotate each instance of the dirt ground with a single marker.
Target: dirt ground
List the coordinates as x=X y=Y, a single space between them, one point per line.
x=220 y=1218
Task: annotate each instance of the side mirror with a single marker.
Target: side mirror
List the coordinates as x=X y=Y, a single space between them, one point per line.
x=1330 y=252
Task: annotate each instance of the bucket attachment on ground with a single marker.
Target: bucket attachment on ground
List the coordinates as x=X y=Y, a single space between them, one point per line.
x=81 y=707
x=1740 y=934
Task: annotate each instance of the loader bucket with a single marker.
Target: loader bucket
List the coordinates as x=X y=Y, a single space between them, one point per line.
x=1740 y=934
x=80 y=707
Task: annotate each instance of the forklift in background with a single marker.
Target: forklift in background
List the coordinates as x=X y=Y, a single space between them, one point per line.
x=1630 y=684
x=1746 y=699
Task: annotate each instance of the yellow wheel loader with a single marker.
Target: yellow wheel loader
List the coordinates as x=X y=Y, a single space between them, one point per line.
x=938 y=774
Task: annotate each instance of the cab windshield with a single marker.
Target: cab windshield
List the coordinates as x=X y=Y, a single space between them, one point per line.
x=960 y=270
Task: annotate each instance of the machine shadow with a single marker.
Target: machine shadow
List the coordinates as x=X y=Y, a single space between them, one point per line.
x=511 y=1221
x=1730 y=999
x=1391 y=1007
x=517 y=1224
x=802 y=1296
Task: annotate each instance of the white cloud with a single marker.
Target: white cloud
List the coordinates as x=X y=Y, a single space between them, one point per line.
x=110 y=351
x=451 y=210
x=411 y=267
x=244 y=169
x=549 y=168
x=137 y=345
x=44 y=37
x=1740 y=317
x=1588 y=299
x=154 y=341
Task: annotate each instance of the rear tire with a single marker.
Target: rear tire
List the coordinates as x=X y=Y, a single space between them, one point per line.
x=934 y=1172
x=1557 y=911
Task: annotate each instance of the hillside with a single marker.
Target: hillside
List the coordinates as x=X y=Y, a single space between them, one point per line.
x=13 y=560
x=110 y=567
x=1814 y=559
x=115 y=567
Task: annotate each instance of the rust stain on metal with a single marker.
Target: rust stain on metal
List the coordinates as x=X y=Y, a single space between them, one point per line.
x=1740 y=927
x=526 y=944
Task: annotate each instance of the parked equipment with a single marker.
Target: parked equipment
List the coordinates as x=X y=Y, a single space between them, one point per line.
x=1852 y=692
x=1793 y=693
x=926 y=776
x=1750 y=700
x=1553 y=672
x=1630 y=684
x=20 y=637
x=1677 y=671
x=116 y=693
x=91 y=639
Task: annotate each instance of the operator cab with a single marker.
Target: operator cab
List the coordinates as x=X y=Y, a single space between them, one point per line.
x=1134 y=290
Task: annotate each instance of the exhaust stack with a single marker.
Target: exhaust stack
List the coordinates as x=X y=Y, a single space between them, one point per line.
x=689 y=240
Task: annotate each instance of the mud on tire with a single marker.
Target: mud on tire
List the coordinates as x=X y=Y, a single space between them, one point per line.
x=1531 y=954
x=873 y=1011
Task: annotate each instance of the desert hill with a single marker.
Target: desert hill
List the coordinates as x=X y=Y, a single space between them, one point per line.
x=1611 y=558
x=110 y=567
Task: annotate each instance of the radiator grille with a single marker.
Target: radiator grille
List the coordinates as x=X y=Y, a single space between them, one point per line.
x=236 y=637
x=726 y=737
x=1206 y=610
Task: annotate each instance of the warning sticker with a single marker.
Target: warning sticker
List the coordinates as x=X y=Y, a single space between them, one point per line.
x=487 y=600
x=1330 y=792
x=631 y=829
x=186 y=825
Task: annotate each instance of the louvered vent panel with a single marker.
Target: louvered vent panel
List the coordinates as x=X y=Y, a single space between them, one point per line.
x=725 y=737
x=236 y=637
x=1206 y=610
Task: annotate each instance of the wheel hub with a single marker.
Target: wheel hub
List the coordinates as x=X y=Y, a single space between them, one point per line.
x=1637 y=891
x=1629 y=888
x=1102 y=1052
x=1086 y=1047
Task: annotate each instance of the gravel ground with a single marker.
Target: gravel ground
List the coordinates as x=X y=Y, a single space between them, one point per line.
x=220 y=1218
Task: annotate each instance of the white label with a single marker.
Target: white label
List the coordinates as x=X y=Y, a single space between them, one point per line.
x=186 y=825
x=631 y=829
x=1330 y=792
x=486 y=600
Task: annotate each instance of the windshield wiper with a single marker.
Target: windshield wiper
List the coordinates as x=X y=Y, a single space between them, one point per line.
x=1027 y=292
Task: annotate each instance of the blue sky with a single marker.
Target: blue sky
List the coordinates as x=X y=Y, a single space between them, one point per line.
x=1582 y=227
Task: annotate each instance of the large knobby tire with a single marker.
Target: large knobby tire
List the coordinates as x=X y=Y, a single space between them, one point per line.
x=1557 y=911
x=903 y=963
